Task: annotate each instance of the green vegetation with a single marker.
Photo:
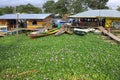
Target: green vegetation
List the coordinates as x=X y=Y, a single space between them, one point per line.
x=67 y=57
x=60 y=7
x=73 y=6
x=28 y=8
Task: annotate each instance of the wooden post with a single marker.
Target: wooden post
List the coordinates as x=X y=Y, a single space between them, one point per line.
x=17 y=22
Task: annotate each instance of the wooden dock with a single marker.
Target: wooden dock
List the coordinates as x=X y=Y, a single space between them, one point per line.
x=14 y=31
x=25 y=29
x=109 y=34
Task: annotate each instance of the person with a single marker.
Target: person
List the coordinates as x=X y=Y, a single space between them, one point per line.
x=54 y=25
x=81 y=22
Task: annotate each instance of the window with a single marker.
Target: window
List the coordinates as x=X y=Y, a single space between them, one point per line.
x=34 y=23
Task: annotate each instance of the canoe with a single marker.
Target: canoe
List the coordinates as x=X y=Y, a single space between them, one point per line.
x=81 y=33
x=63 y=30
x=60 y=32
x=85 y=30
x=46 y=33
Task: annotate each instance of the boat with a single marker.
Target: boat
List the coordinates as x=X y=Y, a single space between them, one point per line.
x=60 y=32
x=44 y=33
x=80 y=32
x=83 y=31
x=64 y=29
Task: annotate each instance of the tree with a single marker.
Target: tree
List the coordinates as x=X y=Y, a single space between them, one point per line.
x=118 y=8
x=96 y=4
x=49 y=6
x=20 y=9
x=73 y=6
x=28 y=9
x=1 y=12
x=6 y=10
x=61 y=7
x=77 y=6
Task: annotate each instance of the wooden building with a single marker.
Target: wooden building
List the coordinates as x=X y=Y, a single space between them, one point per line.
x=94 y=18
x=25 y=20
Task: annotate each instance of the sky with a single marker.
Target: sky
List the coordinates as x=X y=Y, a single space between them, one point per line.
x=112 y=3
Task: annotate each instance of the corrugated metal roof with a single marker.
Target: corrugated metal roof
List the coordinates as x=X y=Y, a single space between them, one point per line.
x=24 y=16
x=98 y=13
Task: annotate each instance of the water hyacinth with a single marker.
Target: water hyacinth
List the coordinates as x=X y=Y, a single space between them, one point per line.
x=65 y=57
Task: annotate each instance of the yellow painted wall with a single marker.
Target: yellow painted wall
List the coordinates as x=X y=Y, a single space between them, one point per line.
x=31 y=26
x=40 y=23
x=109 y=21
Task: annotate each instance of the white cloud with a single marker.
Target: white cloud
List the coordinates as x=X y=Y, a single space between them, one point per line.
x=113 y=3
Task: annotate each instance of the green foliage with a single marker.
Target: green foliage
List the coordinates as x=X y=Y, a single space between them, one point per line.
x=96 y=4
x=63 y=7
x=73 y=6
x=1 y=11
x=60 y=7
x=28 y=9
x=77 y=7
x=20 y=9
x=49 y=6
x=118 y=8
x=67 y=57
x=6 y=10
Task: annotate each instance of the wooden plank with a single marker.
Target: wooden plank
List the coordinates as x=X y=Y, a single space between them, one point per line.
x=49 y=32
x=2 y=34
x=24 y=29
x=109 y=34
x=30 y=29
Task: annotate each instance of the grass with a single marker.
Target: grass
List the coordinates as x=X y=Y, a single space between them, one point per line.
x=67 y=57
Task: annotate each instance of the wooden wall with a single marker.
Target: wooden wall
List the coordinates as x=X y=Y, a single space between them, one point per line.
x=38 y=23
x=3 y=23
x=31 y=23
x=34 y=24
